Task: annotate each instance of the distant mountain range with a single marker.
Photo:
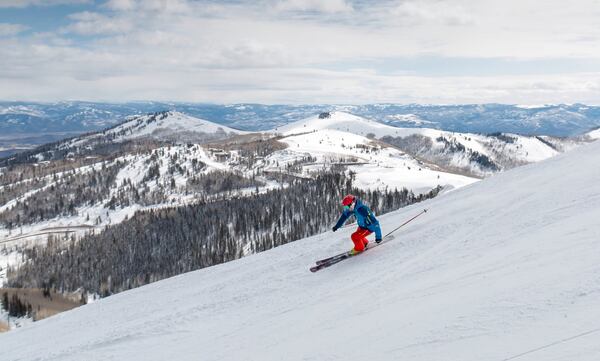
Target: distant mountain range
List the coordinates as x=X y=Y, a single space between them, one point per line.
x=553 y=120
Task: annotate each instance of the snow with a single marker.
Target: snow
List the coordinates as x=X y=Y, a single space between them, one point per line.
x=13 y=322
x=524 y=149
x=534 y=149
x=594 y=134
x=349 y=123
x=37 y=233
x=174 y=121
x=535 y=106
x=8 y=258
x=169 y=124
x=345 y=122
x=409 y=119
x=381 y=168
x=21 y=110
x=134 y=170
x=502 y=269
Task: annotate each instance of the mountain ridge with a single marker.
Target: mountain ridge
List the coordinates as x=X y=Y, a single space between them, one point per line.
x=552 y=119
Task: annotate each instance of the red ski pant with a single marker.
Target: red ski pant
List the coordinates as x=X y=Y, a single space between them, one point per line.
x=360 y=238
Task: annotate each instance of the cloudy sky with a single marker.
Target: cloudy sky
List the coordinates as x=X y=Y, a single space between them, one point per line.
x=301 y=51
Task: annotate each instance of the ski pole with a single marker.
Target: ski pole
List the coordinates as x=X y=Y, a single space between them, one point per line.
x=403 y=224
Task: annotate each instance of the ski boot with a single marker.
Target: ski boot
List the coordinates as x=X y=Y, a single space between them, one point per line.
x=354 y=252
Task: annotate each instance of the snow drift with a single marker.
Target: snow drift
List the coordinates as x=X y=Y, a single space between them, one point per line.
x=504 y=269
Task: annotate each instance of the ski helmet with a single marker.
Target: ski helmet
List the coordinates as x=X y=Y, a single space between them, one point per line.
x=348 y=200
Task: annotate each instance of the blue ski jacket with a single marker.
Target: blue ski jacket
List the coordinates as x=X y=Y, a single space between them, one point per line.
x=364 y=217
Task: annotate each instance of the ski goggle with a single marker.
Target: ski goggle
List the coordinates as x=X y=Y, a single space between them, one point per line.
x=346 y=208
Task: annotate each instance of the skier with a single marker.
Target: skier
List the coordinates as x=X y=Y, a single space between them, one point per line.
x=367 y=223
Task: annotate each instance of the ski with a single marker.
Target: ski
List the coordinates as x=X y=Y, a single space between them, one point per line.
x=328 y=259
x=331 y=261
x=341 y=255
x=338 y=258
x=326 y=262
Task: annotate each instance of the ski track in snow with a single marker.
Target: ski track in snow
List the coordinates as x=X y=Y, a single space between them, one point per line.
x=503 y=269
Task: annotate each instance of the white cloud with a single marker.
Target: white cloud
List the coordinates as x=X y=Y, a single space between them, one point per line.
x=428 y=11
x=88 y=23
x=121 y=5
x=55 y=73
x=26 y=3
x=11 y=29
x=329 y=7
x=300 y=52
x=169 y=6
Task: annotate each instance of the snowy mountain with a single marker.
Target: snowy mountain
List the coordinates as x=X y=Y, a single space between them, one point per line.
x=34 y=118
x=504 y=269
x=471 y=154
x=168 y=125
x=341 y=121
x=553 y=119
x=594 y=134
x=376 y=165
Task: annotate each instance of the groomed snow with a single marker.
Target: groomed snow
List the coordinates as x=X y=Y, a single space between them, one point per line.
x=504 y=269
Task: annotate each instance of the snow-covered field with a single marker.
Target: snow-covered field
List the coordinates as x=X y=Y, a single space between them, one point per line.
x=504 y=269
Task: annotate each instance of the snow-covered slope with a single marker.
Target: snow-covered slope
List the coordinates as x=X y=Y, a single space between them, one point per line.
x=475 y=154
x=341 y=121
x=169 y=125
x=504 y=269
x=174 y=165
x=376 y=166
x=594 y=134
x=345 y=138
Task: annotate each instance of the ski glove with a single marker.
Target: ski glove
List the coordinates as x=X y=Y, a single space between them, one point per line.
x=378 y=240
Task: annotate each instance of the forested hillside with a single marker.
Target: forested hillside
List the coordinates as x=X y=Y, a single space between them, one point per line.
x=161 y=243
